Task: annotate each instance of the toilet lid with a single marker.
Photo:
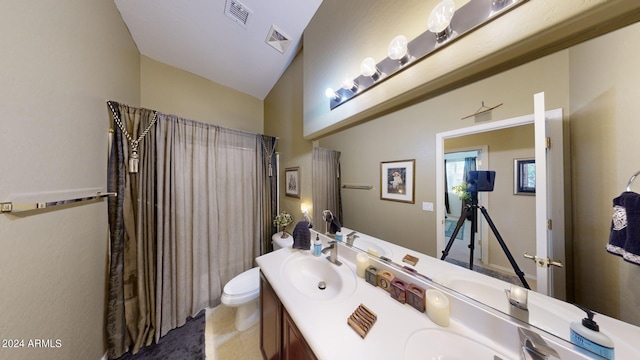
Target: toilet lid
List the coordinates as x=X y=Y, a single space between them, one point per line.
x=246 y=282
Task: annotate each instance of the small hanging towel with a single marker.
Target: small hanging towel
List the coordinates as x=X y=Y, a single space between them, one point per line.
x=302 y=235
x=624 y=239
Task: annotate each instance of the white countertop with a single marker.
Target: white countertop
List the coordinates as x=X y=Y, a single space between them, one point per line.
x=324 y=323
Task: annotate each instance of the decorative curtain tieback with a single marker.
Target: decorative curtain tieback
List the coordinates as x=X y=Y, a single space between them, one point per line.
x=134 y=159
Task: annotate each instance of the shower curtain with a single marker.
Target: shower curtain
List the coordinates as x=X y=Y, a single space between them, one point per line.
x=198 y=206
x=326 y=185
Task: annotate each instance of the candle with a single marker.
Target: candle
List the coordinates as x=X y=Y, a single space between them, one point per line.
x=362 y=262
x=437 y=307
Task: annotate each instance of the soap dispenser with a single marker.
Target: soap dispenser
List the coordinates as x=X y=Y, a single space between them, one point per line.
x=317 y=246
x=587 y=335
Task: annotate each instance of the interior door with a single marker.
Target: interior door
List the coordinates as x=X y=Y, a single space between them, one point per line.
x=550 y=232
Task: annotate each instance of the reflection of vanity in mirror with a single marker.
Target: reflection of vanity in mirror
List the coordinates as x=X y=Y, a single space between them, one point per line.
x=595 y=92
x=543 y=312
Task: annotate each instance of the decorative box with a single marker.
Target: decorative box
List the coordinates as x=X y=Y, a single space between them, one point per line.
x=415 y=297
x=398 y=290
x=371 y=275
x=384 y=279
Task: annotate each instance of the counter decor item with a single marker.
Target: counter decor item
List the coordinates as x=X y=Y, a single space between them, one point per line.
x=283 y=220
x=410 y=259
x=384 y=279
x=362 y=262
x=362 y=320
x=416 y=297
x=371 y=275
x=398 y=290
x=438 y=307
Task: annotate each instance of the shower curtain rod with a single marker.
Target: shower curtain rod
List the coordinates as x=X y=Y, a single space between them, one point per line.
x=159 y=112
x=9 y=207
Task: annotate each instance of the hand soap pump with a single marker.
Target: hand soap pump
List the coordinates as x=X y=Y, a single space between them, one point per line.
x=587 y=335
x=317 y=246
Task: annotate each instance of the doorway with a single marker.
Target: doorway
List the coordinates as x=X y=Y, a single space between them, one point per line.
x=458 y=163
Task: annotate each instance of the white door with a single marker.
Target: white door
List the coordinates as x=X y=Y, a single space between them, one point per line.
x=550 y=253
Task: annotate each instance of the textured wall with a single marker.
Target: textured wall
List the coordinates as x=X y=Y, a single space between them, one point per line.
x=60 y=62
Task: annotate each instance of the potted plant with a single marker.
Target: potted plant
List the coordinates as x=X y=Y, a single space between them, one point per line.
x=283 y=220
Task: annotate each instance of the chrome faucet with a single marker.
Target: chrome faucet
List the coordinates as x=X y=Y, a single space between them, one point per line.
x=534 y=347
x=333 y=255
x=351 y=237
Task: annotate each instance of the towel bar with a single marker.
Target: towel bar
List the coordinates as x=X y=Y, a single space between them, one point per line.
x=9 y=207
x=633 y=177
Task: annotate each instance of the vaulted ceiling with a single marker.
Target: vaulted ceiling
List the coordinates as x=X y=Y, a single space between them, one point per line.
x=243 y=44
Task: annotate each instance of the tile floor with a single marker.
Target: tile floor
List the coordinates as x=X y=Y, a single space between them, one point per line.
x=224 y=342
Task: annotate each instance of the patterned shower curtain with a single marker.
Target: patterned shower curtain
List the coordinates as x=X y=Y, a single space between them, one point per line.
x=197 y=214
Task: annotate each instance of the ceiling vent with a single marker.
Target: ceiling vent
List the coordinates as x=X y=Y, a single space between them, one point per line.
x=237 y=12
x=277 y=39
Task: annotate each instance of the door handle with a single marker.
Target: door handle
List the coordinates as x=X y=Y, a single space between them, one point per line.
x=543 y=262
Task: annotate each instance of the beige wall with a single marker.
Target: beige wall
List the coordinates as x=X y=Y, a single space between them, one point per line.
x=174 y=91
x=283 y=118
x=59 y=63
x=605 y=133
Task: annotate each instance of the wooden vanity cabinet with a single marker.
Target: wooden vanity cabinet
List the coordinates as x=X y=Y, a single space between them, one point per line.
x=280 y=339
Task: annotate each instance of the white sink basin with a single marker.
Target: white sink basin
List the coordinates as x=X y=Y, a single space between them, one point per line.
x=481 y=292
x=365 y=244
x=317 y=278
x=439 y=344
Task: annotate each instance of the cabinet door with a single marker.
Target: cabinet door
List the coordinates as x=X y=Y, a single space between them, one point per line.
x=270 y=321
x=294 y=345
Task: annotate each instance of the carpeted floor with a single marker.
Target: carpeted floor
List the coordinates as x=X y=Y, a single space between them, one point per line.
x=450 y=225
x=183 y=343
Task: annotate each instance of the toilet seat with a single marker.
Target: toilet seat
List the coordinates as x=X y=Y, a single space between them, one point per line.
x=242 y=288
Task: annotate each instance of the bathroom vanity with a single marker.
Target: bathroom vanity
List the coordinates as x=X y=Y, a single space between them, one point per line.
x=303 y=320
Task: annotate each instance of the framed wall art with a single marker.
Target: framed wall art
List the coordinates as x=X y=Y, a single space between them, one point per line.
x=292 y=182
x=397 y=180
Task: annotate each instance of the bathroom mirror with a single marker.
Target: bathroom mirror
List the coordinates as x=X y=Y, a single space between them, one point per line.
x=595 y=84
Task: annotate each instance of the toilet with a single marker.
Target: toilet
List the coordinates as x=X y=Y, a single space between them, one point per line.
x=242 y=292
x=278 y=242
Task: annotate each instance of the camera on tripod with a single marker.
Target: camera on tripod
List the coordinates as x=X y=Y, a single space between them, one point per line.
x=481 y=181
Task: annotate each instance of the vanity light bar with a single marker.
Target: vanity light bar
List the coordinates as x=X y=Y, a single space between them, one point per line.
x=470 y=16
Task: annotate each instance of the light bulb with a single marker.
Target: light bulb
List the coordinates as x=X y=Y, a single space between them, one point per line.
x=368 y=67
x=398 y=47
x=349 y=84
x=331 y=94
x=441 y=16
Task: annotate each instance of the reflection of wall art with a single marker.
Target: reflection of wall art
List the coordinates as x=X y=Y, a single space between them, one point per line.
x=524 y=176
x=397 y=180
x=292 y=182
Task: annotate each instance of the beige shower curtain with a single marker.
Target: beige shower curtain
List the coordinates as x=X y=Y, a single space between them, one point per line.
x=326 y=185
x=209 y=214
x=196 y=214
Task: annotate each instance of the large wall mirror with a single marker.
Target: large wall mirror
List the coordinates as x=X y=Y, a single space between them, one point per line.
x=595 y=83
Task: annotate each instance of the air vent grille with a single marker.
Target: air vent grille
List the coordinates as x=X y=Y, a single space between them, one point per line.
x=237 y=12
x=277 y=39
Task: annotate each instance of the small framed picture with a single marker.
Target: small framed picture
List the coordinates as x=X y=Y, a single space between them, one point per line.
x=524 y=176
x=292 y=182
x=397 y=180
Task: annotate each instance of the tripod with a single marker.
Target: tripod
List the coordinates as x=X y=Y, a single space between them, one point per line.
x=471 y=210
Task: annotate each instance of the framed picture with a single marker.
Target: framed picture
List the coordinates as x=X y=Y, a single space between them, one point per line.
x=292 y=182
x=397 y=180
x=524 y=176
